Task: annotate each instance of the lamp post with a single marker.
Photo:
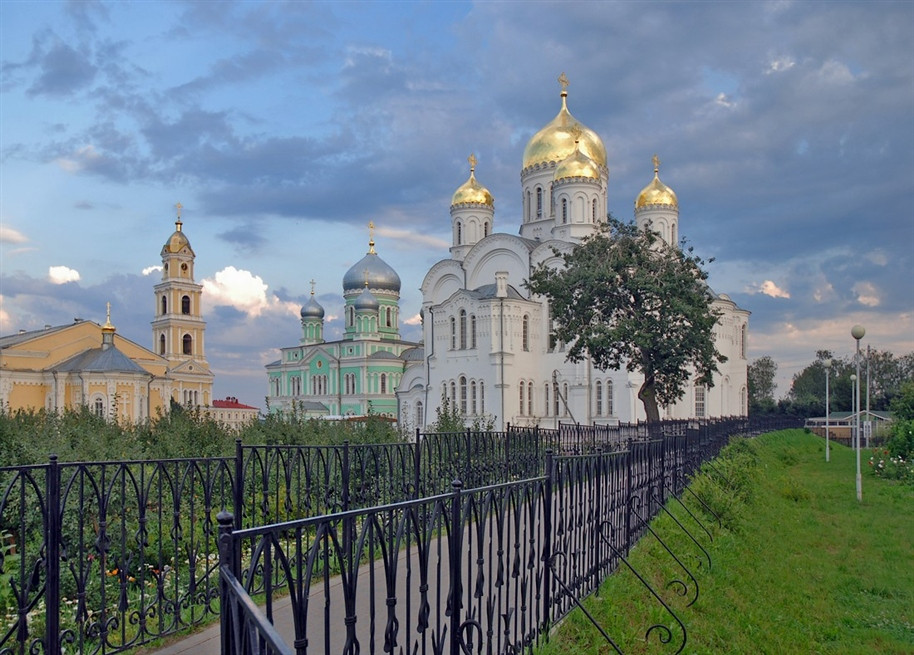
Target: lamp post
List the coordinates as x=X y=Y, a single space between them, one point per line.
x=827 y=364
x=857 y=332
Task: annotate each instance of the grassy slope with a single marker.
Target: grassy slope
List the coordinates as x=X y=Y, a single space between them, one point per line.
x=799 y=566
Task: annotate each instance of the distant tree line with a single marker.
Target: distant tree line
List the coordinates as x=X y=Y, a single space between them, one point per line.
x=888 y=373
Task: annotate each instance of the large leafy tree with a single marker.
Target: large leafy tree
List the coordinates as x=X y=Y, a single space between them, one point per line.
x=625 y=298
x=761 y=373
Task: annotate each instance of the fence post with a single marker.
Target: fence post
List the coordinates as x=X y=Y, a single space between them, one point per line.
x=628 y=496
x=238 y=491
x=226 y=560
x=547 y=543
x=417 y=466
x=467 y=478
x=455 y=551
x=52 y=561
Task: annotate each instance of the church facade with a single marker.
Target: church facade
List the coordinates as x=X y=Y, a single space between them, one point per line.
x=487 y=350
x=87 y=364
x=358 y=374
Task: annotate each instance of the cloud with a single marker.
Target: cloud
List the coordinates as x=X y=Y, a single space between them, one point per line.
x=867 y=294
x=62 y=275
x=63 y=71
x=411 y=238
x=149 y=270
x=767 y=288
x=245 y=292
x=414 y=320
x=11 y=235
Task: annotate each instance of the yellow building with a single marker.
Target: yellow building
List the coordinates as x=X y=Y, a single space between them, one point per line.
x=85 y=363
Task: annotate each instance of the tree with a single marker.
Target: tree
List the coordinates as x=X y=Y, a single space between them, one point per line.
x=761 y=374
x=625 y=298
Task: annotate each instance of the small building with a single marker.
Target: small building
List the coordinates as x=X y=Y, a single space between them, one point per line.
x=231 y=413
x=841 y=425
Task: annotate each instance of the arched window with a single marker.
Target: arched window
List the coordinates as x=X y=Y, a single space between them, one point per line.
x=598 y=390
x=351 y=320
x=527 y=208
x=164 y=305
x=555 y=398
x=539 y=202
x=185 y=304
x=463 y=329
x=743 y=340
x=453 y=333
x=99 y=407
x=419 y=415
x=594 y=213
x=485 y=229
x=546 y=398
x=565 y=396
x=383 y=383
x=453 y=395
x=161 y=344
x=459 y=234
x=564 y=211
x=699 y=401
x=522 y=387
x=530 y=399
x=188 y=344
x=473 y=398
x=482 y=397
x=610 y=405
x=473 y=331
x=525 y=336
x=463 y=395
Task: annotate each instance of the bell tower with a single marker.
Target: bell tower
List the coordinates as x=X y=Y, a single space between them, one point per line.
x=178 y=329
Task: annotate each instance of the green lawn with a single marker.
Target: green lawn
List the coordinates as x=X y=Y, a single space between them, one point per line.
x=798 y=566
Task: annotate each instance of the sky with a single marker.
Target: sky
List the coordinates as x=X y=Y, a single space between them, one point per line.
x=786 y=130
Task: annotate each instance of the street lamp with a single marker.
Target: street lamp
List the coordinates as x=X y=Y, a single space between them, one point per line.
x=857 y=332
x=827 y=364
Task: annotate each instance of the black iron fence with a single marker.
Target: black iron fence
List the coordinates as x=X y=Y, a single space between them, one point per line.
x=101 y=557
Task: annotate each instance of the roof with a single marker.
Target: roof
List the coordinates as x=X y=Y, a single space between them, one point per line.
x=101 y=360
x=383 y=354
x=231 y=403
x=487 y=291
x=15 y=339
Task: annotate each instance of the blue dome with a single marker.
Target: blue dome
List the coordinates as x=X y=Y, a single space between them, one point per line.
x=367 y=302
x=312 y=310
x=373 y=270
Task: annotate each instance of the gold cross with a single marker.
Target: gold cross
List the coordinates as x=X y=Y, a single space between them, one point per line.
x=312 y=286
x=370 y=240
x=656 y=161
x=472 y=159
x=179 y=207
x=564 y=82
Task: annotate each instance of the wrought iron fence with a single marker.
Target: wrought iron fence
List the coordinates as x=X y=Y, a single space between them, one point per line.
x=475 y=570
x=100 y=557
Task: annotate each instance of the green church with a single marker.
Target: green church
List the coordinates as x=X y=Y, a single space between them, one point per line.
x=358 y=374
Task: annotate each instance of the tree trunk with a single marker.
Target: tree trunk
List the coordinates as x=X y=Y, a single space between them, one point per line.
x=649 y=399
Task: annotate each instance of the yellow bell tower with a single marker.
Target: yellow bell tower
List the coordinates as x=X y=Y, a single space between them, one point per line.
x=178 y=329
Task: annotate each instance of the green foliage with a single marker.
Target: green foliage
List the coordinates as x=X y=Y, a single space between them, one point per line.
x=449 y=419
x=761 y=374
x=903 y=403
x=30 y=436
x=626 y=298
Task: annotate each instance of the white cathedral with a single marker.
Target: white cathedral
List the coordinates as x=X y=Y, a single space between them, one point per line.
x=486 y=339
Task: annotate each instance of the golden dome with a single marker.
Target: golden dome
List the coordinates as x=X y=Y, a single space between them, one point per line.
x=177 y=241
x=471 y=190
x=555 y=142
x=656 y=193
x=577 y=164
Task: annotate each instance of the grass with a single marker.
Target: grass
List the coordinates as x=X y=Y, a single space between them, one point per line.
x=798 y=564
